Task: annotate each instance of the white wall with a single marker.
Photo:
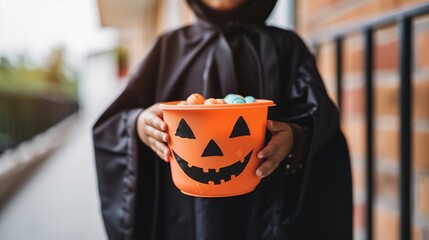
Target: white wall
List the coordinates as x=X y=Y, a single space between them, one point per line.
x=99 y=84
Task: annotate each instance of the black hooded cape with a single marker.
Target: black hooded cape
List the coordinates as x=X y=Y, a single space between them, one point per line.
x=225 y=52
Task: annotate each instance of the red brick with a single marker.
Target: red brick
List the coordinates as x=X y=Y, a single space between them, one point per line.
x=353 y=61
x=358 y=175
x=421 y=99
x=353 y=55
x=326 y=66
x=326 y=62
x=387 y=186
x=386 y=224
x=387 y=145
x=422 y=56
x=420 y=150
x=386 y=56
x=359 y=222
x=340 y=17
x=322 y=4
x=423 y=195
x=353 y=100
x=386 y=100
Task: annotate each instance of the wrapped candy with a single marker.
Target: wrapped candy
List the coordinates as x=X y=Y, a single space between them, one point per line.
x=250 y=99
x=195 y=99
x=238 y=99
x=198 y=99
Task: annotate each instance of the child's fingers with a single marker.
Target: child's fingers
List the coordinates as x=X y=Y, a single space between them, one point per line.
x=274 y=146
x=268 y=166
x=156 y=134
x=156 y=122
x=159 y=148
x=266 y=152
x=274 y=126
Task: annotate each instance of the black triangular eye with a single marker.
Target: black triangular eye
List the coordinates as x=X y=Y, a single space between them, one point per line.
x=240 y=128
x=184 y=131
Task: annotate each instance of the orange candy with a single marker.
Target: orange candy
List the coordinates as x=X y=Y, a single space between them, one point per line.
x=220 y=101
x=195 y=99
x=210 y=101
x=198 y=99
x=214 y=101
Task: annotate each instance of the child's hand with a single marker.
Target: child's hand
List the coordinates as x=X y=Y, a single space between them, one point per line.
x=151 y=129
x=277 y=149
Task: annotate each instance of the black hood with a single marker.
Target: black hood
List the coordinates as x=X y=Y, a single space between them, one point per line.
x=250 y=12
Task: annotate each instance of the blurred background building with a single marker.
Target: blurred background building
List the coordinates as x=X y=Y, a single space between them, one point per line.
x=62 y=62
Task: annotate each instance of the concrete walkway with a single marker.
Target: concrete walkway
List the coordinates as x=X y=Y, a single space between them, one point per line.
x=59 y=201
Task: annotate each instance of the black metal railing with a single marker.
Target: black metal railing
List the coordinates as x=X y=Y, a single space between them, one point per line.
x=23 y=117
x=404 y=19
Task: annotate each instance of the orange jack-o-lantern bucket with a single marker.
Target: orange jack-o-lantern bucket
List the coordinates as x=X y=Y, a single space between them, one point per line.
x=214 y=147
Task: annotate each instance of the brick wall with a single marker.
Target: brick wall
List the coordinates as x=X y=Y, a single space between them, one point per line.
x=312 y=16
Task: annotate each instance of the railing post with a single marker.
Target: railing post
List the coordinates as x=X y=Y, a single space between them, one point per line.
x=369 y=47
x=406 y=58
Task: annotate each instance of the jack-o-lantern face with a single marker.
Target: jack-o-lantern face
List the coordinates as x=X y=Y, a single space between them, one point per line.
x=211 y=152
x=213 y=147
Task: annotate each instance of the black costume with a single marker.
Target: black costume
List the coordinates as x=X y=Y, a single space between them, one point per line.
x=226 y=52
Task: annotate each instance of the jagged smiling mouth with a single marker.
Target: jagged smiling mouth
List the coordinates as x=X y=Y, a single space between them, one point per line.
x=212 y=175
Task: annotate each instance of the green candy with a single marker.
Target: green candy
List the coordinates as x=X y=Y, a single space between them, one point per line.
x=238 y=100
x=249 y=99
x=228 y=98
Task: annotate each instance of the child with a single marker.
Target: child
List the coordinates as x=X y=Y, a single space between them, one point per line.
x=305 y=191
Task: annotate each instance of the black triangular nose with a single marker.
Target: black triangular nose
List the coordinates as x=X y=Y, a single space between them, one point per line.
x=212 y=149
